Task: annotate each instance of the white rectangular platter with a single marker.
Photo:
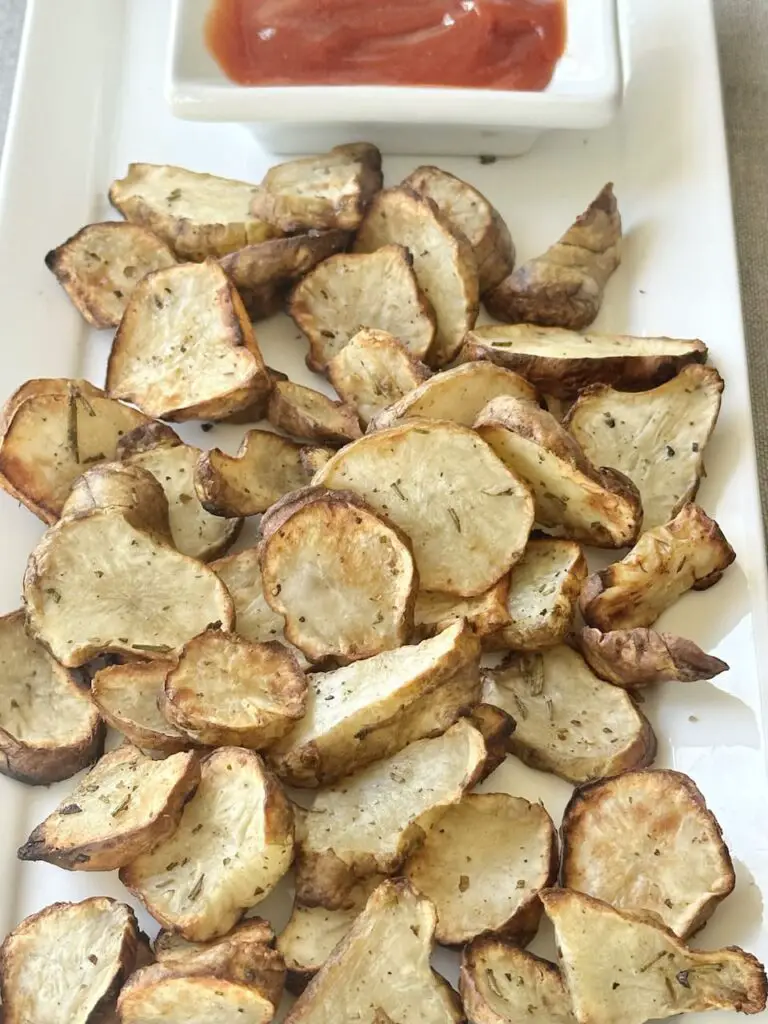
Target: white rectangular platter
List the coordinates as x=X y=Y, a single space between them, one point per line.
x=89 y=100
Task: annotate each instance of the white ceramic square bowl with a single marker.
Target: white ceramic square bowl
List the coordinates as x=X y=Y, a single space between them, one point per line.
x=585 y=92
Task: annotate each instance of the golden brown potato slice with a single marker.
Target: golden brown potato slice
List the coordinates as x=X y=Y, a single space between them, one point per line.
x=344 y=578
x=391 y=939
x=98 y=584
x=37 y=386
x=646 y=841
x=264 y=273
x=49 y=726
x=185 y=348
x=266 y=467
x=562 y=363
x=370 y=821
x=67 y=963
x=470 y=213
x=127 y=697
x=346 y=293
x=484 y=615
x=198 y=215
x=170 y=946
x=564 y=286
x=595 y=506
x=644 y=971
x=483 y=867
x=374 y=708
x=123 y=807
x=569 y=722
x=501 y=984
x=304 y=412
x=233 y=844
x=115 y=485
x=639 y=657
x=444 y=263
x=227 y=691
x=372 y=371
x=689 y=552
x=656 y=438
x=467 y=515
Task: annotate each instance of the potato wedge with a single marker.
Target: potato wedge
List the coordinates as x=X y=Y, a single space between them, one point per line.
x=595 y=506
x=467 y=515
x=644 y=970
x=344 y=578
x=115 y=485
x=227 y=691
x=185 y=348
x=332 y=190
x=127 y=698
x=49 y=726
x=564 y=286
x=640 y=657
x=656 y=438
x=689 y=552
x=372 y=371
x=67 y=963
x=374 y=708
x=123 y=807
x=370 y=821
x=197 y=215
x=345 y=294
x=140 y=596
x=469 y=213
x=266 y=467
x=499 y=983
x=234 y=843
x=562 y=363
x=265 y=273
x=484 y=615
x=392 y=938
x=458 y=394
x=569 y=722
x=647 y=841
x=483 y=865
x=443 y=261
x=304 y=412
x=170 y=946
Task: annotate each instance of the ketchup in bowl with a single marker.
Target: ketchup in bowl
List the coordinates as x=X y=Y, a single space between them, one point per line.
x=479 y=44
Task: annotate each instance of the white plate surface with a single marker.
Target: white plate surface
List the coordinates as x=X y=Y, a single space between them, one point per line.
x=89 y=100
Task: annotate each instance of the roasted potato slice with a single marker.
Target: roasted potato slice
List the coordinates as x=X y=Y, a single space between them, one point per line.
x=644 y=971
x=656 y=438
x=37 y=386
x=314 y=457
x=232 y=846
x=115 y=485
x=562 y=363
x=483 y=867
x=344 y=578
x=467 y=515
x=141 y=596
x=123 y=807
x=374 y=708
x=569 y=722
x=689 y=552
x=127 y=697
x=471 y=214
x=370 y=821
x=495 y=726
x=484 y=615
x=170 y=946
x=443 y=261
x=372 y=371
x=198 y=215
x=304 y=412
x=67 y=963
x=345 y=294
x=639 y=657
x=225 y=690
x=185 y=348
x=647 y=841
x=595 y=506
x=390 y=940
x=49 y=726
x=564 y=286
x=254 y=619
x=264 y=273
x=331 y=190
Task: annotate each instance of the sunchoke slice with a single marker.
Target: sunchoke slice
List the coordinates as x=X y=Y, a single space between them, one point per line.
x=233 y=844
x=569 y=722
x=115 y=485
x=640 y=657
x=169 y=945
x=467 y=515
x=127 y=697
x=484 y=614
x=483 y=865
x=304 y=412
x=644 y=971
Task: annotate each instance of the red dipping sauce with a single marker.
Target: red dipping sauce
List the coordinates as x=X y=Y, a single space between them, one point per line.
x=478 y=44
